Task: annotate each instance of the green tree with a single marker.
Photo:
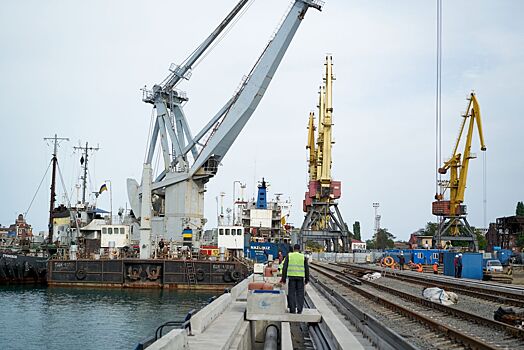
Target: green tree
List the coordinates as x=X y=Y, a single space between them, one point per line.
x=430 y=229
x=383 y=239
x=520 y=209
x=314 y=246
x=356 y=230
x=481 y=239
x=520 y=240
x=370 y=244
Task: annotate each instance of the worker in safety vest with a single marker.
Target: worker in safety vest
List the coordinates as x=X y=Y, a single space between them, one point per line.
x=297 y=271
x=280 y=261
x=435 y=268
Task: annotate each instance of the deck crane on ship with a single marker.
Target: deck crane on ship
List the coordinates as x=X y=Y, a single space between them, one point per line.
x=453 y=225
x=323 y=222
x=173 y=202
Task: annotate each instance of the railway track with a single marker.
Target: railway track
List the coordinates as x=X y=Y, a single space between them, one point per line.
x=508 y=297
x=436 y=325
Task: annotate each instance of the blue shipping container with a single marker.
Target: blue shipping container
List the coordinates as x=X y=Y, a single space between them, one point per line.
x=471 y=265
x=259 y=252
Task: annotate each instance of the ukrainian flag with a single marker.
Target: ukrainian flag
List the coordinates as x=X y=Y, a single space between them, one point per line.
x=103 y=188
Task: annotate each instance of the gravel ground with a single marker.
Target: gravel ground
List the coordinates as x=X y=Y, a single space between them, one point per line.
x=480 y=307
x=415 y=331
x=381 y=313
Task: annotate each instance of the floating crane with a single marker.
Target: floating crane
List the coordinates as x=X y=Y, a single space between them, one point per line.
x=452 y=211
x=323 y=221
x=173 y=202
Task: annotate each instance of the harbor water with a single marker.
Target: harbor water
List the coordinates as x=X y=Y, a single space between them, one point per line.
x=79 y=318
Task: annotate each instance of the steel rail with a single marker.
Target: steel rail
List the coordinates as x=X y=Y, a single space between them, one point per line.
x=436 y=326
x=513 y=331
x=379 y=334
x=507 y=298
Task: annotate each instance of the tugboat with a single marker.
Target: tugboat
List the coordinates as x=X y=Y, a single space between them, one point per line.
x=21 y=260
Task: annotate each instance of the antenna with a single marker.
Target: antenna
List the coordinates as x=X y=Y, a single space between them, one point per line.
x=83 y=162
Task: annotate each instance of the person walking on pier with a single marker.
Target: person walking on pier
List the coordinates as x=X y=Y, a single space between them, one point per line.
x=296 y=270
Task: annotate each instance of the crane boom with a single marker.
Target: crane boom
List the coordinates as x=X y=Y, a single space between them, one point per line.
x=254 y=87
x=181 y=72
x=325 y=178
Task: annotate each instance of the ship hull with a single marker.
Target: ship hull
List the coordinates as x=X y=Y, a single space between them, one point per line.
x=22 y=269
x=145 y=273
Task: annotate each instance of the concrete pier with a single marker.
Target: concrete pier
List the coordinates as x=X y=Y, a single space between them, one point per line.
x=238 y=320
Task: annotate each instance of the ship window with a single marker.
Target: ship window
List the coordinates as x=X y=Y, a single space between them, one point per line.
x=221 y=231
x=110 y=230
x=122 y=230
x=239 y=231
x=435 y=255
x=419 y=255
x=227 y=232
x=104 y=230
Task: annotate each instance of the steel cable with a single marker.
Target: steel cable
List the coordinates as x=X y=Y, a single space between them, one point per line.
x=38 y=189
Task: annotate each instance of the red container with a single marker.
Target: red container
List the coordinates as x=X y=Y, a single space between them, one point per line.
x=336 y=189
x=313 y=188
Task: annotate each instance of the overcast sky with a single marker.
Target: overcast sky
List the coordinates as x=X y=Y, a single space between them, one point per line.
x=75 y=68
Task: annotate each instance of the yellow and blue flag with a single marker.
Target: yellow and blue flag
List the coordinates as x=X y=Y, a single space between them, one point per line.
x=103 y=188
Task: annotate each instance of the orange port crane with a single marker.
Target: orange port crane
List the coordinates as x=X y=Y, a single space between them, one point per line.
x=453 y=211
x=323 y=221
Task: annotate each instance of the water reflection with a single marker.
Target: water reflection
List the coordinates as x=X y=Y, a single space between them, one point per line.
x=73 y=318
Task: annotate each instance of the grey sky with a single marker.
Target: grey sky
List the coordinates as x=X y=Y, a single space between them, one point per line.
x=75 y=68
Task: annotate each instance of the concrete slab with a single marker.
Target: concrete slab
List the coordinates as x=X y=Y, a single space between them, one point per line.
x=221 y=333
x=285 y=336
x=307 y=315
x=331 y=324
x=174 y=340
x=203 y=318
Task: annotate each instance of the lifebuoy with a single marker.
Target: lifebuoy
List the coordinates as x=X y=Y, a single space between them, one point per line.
x=235 y=275
x=80 y=274
x=389 y=261
x=200 y=275
x=227 y=277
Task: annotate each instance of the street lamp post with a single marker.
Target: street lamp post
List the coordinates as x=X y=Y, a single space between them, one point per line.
x=234 y=198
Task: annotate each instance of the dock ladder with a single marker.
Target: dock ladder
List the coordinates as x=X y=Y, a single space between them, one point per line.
x=190 y=272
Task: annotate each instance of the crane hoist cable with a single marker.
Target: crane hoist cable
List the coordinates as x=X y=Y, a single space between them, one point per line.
x=223 y=35
x=438 y=99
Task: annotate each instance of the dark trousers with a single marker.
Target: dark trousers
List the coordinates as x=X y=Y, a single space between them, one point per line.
x=295 y=295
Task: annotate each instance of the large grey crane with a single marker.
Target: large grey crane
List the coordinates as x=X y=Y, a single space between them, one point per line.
x=174 y=200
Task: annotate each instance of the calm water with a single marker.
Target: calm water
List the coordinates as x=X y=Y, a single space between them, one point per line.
x=72 y=318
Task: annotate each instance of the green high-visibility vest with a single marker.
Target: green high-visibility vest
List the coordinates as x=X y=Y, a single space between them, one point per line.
x=295 y=267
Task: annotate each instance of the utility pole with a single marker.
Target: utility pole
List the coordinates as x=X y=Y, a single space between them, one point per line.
x=83 y=161
x=54 y=161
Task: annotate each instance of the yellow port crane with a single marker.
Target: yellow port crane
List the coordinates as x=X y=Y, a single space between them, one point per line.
x=453 y=211
x=323 y=221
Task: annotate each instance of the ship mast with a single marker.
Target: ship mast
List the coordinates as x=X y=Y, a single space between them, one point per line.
x=52 y=200
x=83 y=161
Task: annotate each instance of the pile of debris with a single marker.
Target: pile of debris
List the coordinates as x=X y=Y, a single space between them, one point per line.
x=439 y=295
x=509 y=316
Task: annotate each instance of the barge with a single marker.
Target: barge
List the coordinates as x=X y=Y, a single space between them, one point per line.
x=146 y=273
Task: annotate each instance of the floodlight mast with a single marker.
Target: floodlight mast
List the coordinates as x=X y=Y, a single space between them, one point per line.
x=177 y=193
